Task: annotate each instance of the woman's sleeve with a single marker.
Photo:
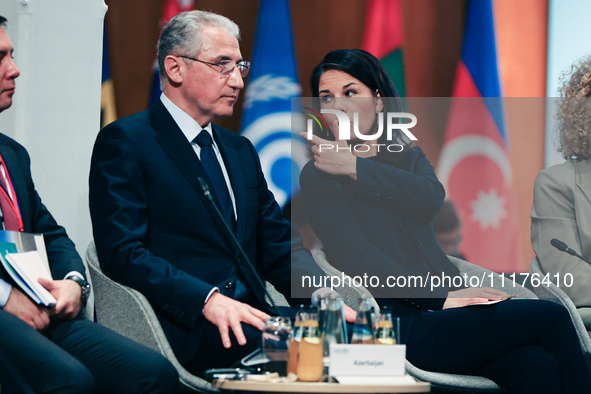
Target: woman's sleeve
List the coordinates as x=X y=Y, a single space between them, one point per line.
x=333 y=220
x=415 y=191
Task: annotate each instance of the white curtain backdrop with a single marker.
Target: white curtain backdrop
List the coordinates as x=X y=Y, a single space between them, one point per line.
x=56 y=109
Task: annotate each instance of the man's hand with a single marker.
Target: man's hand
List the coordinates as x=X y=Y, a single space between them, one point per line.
x=350 y=314
x=473 y=295
x=21 y=306
x=68 y=295
x=227 y=313
x=333 y=157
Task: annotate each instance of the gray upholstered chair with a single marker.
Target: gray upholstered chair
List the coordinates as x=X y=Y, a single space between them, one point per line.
x=88 y=311
x=351 y=295
x=498 y=282
x=129 y=313
x=549 y=291
x=442 y=381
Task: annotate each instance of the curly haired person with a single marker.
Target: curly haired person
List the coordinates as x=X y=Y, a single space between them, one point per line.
x=562 y=193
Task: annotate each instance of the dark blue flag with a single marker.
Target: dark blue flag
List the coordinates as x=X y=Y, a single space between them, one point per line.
x=273 y=81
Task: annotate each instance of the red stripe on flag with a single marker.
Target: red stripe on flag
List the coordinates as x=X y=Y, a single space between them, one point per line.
x=383 y=32
x=173 y=7
x=464 y=85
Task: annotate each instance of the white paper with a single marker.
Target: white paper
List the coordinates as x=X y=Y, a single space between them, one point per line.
x=40 y=244
x=19 y=281
x=30 y=266
x=487 y=303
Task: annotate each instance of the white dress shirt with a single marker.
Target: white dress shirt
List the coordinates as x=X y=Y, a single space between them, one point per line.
x=191 y=130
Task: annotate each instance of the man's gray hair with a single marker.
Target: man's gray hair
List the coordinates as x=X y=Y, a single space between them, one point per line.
x=182 y=35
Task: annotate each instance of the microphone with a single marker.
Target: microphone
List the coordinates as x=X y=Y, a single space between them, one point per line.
x=558 y=244
x=207 y=194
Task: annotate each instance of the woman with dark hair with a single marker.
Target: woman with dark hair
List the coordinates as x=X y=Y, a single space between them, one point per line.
x=379 y=84
x=562 y=193
x=374 y=216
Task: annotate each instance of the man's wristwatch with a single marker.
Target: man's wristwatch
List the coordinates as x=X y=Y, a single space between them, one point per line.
x=85 y=288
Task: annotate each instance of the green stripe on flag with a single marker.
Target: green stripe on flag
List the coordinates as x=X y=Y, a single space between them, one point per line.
x=394 y=65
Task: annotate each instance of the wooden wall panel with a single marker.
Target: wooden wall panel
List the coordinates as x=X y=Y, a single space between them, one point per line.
x=433 y=30
x=132 y=28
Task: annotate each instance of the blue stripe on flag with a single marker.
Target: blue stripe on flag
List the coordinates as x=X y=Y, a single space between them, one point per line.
x=273 y=81
x=480 y=56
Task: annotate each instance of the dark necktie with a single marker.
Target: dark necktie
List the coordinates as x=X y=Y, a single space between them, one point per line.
x=216 y=176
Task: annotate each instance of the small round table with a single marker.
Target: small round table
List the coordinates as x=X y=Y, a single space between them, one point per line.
x=320 y=387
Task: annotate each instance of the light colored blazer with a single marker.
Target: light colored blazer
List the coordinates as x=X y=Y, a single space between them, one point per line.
x=562 y=210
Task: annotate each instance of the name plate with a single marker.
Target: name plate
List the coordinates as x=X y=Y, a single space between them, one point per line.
x=367 y=360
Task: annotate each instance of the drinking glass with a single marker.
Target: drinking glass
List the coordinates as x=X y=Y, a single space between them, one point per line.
x=276 y=336
x=296 y=338
x=310 y=366
x=388 y=329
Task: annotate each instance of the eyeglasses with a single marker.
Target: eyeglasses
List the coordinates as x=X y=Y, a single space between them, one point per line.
x=225 y=67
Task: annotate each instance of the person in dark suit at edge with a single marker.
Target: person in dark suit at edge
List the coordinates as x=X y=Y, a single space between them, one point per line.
x=56 y=349
x=156 y=231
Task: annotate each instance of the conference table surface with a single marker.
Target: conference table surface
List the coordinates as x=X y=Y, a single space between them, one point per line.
x=320 y=387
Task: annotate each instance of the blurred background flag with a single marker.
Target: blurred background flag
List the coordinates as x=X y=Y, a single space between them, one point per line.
x=171 y=8
x=474 y=165
x=266 y=116
x=384 y=38
x=108 y=109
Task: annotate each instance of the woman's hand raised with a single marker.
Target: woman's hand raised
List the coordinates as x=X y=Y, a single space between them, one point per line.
x=333 y=157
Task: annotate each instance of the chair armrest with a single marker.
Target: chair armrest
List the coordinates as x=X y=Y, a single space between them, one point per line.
x=488 y=278
x=127 y=312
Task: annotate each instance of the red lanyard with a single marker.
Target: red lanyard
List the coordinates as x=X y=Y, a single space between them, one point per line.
x=12 y=201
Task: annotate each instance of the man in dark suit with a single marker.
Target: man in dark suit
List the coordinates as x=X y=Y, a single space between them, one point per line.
x=156 y=231
x=55 y=349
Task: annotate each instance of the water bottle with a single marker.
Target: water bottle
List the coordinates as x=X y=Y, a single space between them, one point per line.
x=373 y=320
x=335 y=329
x=363 y=330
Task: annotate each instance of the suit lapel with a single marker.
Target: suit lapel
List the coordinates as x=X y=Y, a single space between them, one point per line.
x=233 y=167
x=17 y=178
x=176 y=146
x=583 y=177
x=583 y=202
